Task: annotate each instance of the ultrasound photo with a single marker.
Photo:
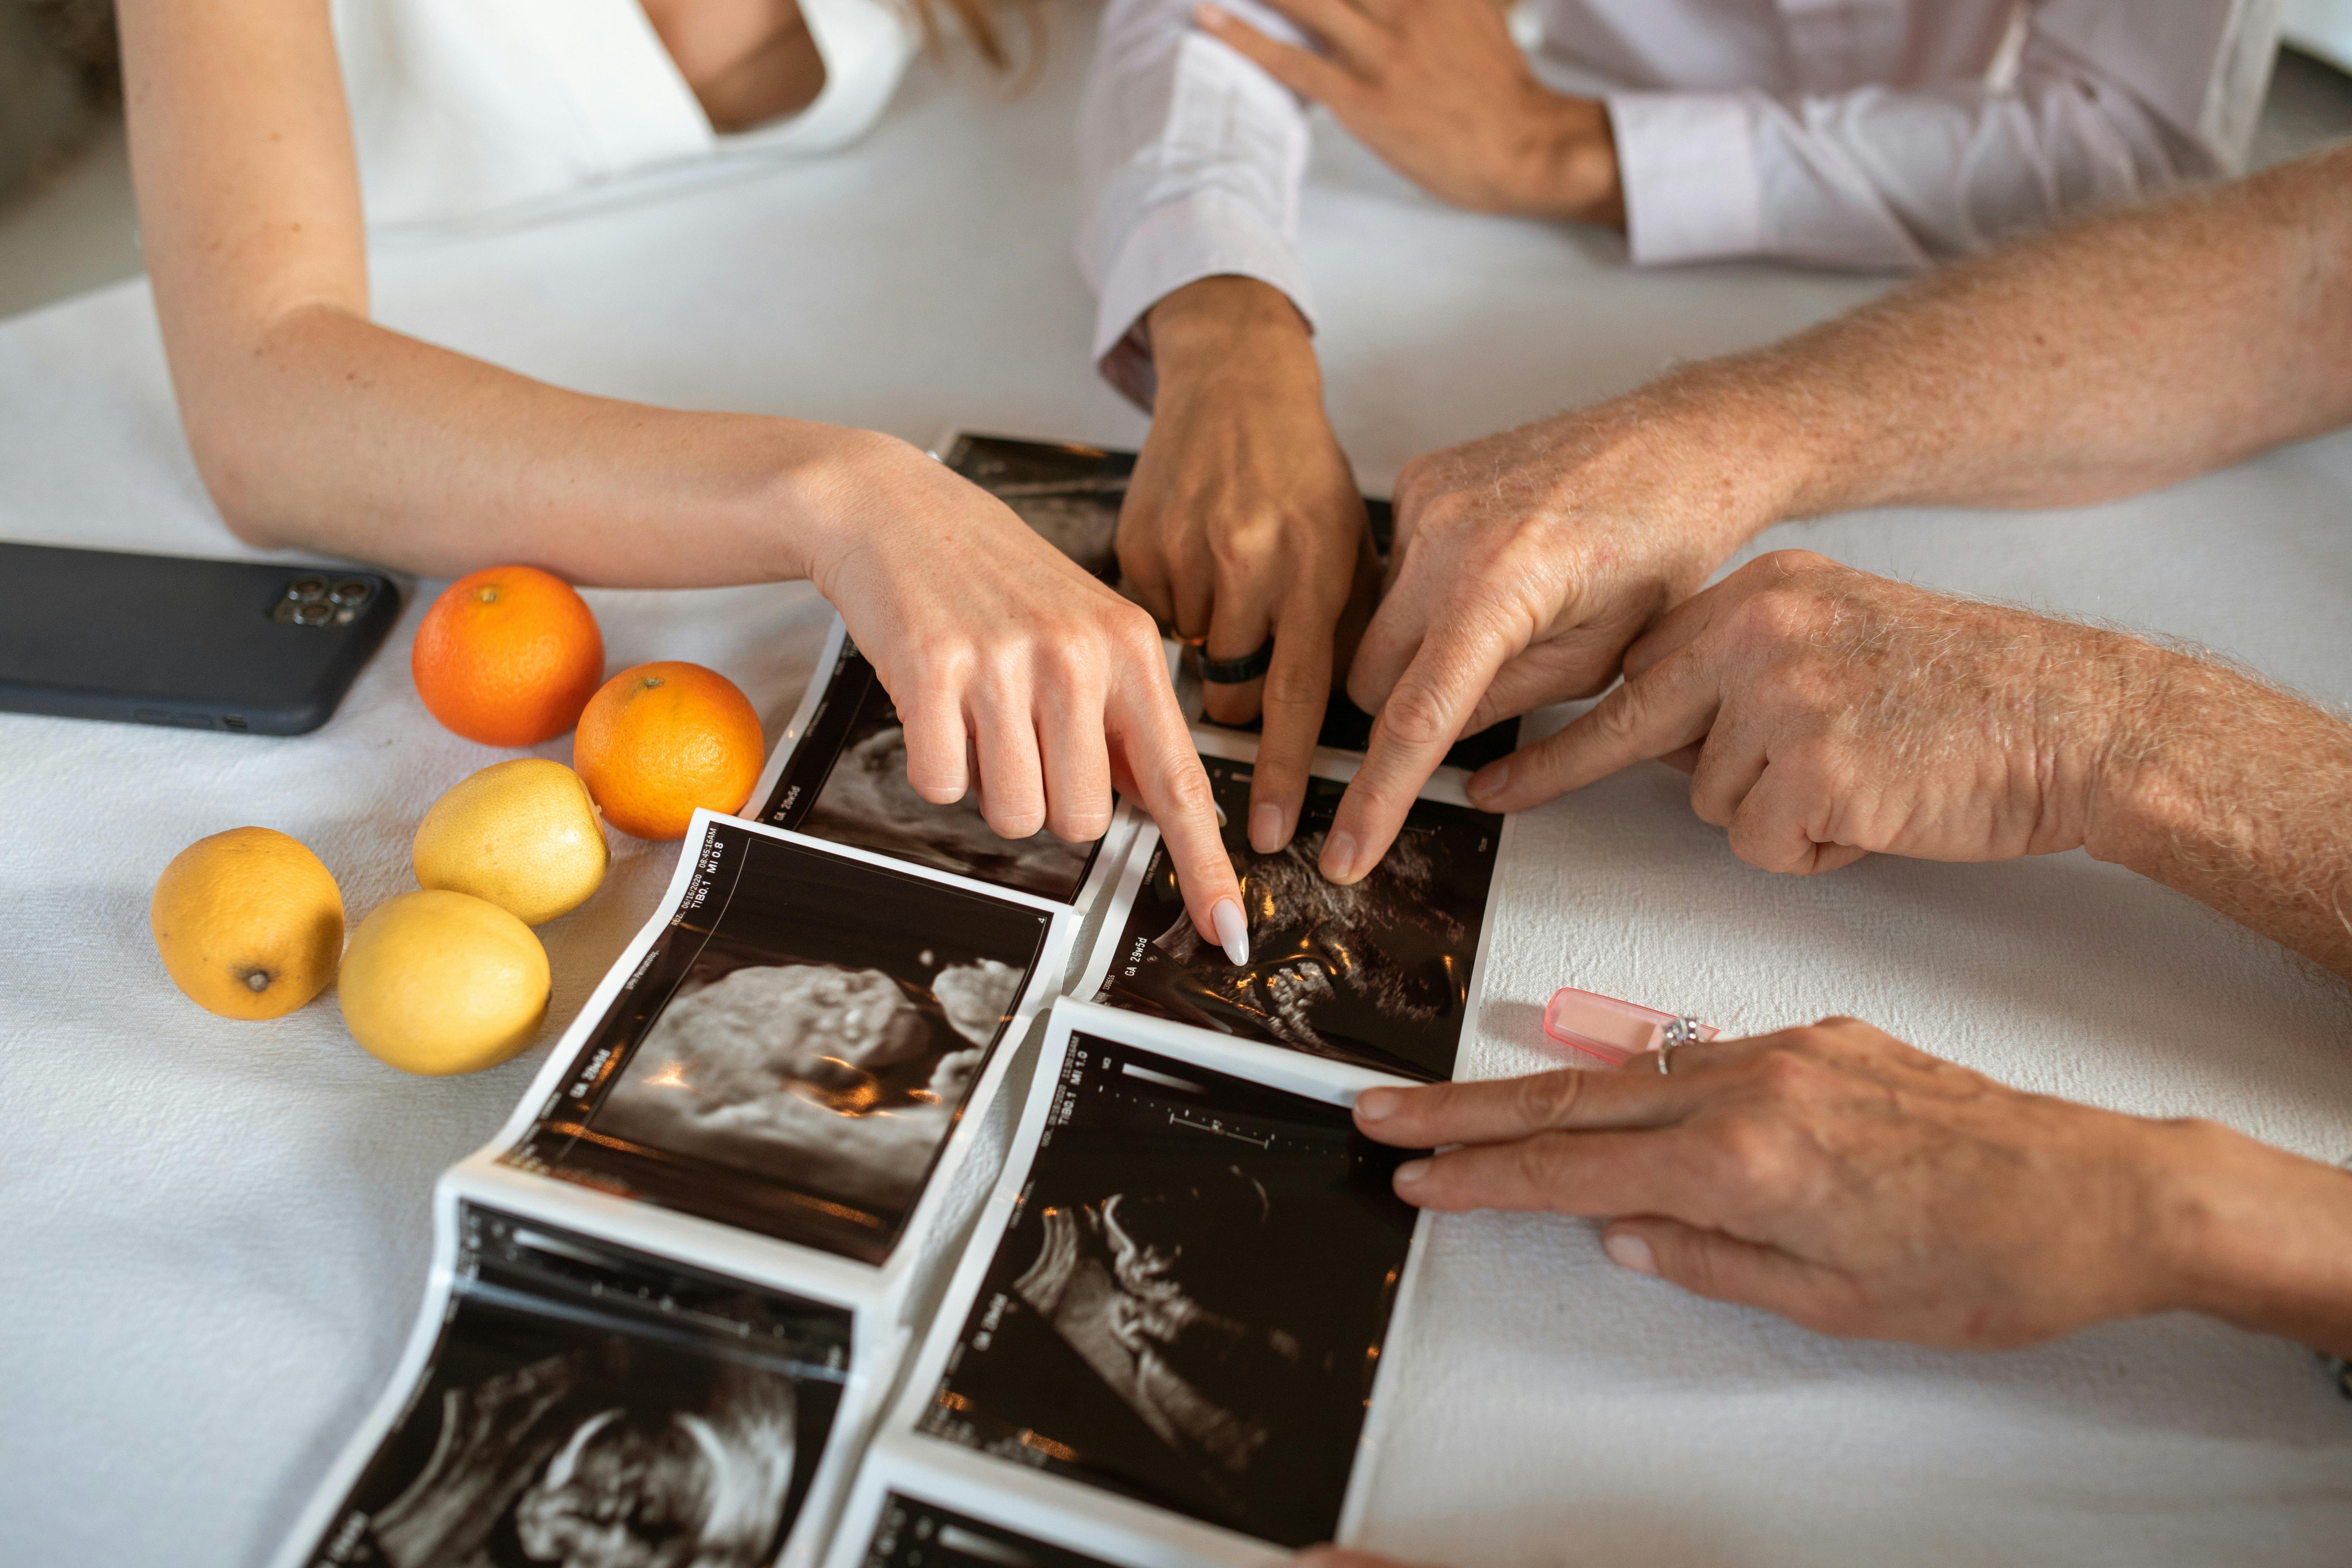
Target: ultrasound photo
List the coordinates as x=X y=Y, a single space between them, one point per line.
x=793 y=1054
x=846 y=782
x=1378 y=973
x=590 y=1406
x=911 y=1533
x=1189 y=1303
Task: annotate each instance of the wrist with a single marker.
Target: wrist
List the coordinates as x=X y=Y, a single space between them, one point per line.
x=1569 y=149
x=2250 y=1235
x=1213 y=326
x=825 y=483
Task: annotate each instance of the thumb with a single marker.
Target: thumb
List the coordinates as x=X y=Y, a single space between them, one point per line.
x=1724 y=1267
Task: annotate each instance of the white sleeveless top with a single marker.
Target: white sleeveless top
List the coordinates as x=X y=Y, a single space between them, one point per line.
x=482 y=108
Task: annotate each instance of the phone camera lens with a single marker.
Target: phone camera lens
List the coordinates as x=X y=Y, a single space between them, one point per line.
x=350 y=590
x=313 y=613
x=306 y=588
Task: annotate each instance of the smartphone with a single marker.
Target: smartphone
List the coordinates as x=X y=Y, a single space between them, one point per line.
x=199 y=645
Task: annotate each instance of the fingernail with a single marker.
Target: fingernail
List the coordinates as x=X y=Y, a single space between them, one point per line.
x=1220 y=811
x=1628 y=1251
x=1339 y=856
x=1233 y=931
x=1265 y=827
x=1412 y=1171
x=1489 y=781
x=1208 y=15
x=1378 y=1104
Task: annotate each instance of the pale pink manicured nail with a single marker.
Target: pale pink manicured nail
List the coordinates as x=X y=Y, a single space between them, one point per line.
x=1233 y=931
x=1265 y=827
x=1412 y=1171
x=1489 y=781
x=1628 y=1251
x=1338 y=857
x=1378 y=1104
x=1208 y=15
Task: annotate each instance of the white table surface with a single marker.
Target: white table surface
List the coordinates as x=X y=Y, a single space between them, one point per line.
x=215 y=1233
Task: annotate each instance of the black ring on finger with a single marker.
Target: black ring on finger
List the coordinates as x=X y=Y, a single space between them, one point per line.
x=1234 y=671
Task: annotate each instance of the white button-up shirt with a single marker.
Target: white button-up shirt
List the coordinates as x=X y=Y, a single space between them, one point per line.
x=1877 y=133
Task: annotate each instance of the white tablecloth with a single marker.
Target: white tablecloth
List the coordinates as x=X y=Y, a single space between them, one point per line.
x=212 y=1235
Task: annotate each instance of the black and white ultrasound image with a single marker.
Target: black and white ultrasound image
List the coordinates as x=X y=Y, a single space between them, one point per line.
x=1191 y=1300
x=590 y=1406
x=793 y=1053
x=1377 y=974
x=847 y=784
x=912 y=1533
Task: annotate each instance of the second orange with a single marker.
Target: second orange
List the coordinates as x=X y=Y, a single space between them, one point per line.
x=662 y=739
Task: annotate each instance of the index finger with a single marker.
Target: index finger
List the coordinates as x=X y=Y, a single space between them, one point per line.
x=1297 y=693
x=1410 y=734
x=1665 y=708
x=1502 y=1108
x=1146 y=727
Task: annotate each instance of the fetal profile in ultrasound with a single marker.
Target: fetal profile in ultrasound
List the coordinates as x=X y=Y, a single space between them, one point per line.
x=547 y=1432
x=1377 y=974
x=814 y=1072
x=847 y=784
x=1189 y=1303
x=793 y=1058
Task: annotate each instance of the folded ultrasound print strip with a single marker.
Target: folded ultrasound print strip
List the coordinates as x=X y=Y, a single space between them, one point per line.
x=1170 y=1319
x=1383 y=974
x=565 y=1399
x=840 y=774
x=786 y=1071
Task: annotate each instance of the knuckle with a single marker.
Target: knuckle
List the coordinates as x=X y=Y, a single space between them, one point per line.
x=1414 y=716
x=1545 y=1098
x=1751 y=1154
x=1540 y=1163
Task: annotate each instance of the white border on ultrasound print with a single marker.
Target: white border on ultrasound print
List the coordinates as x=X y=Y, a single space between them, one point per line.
x=1116 y=837
x=1074 y=1504
x=970 y=1484
x=1446 y=784
x=876 y=1349
x=724 y=1248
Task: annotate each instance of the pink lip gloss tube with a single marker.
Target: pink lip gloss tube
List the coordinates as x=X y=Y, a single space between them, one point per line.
x=1607 y=1030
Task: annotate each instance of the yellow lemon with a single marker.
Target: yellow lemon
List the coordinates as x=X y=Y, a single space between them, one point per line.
x=524 y=835
x=248 y=921
x=439 y=983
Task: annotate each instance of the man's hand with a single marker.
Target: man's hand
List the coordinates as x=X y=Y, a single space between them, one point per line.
x=1839 y=1177
x=1826 y=713
x=1242 y=521
x=1524 y=564
x=1439 y=89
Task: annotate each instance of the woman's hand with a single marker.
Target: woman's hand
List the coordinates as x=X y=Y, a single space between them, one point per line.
x=1243 y=522
x=1014 y=672
x=1839 y=1177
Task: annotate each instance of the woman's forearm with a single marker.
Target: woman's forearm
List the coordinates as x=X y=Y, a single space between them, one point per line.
x=333 y=433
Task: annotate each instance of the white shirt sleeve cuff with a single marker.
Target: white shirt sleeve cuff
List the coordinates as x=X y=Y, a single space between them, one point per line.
x=1686 y=161
x=1204 y=235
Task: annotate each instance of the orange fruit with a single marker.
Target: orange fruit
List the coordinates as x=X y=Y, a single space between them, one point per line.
x=662 y=739
x=508 y=657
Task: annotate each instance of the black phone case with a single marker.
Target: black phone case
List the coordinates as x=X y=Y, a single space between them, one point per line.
x=200 y=645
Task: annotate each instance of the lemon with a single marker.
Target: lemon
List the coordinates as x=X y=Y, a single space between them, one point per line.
x=249 y=923
x=438 y=983
x=524 y=835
